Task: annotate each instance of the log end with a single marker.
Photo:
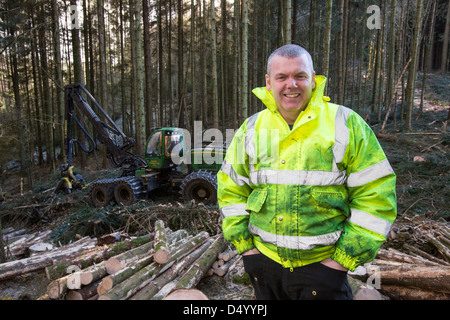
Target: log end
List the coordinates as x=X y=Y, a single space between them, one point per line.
x=113 y=265
x=162 y=256
x=186 y=294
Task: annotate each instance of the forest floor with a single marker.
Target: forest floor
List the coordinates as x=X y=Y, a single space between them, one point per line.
x=420 y=159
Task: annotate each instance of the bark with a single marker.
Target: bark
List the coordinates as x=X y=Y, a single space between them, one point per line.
x=143 y=277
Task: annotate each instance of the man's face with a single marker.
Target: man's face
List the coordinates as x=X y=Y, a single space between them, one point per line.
x=291 y=81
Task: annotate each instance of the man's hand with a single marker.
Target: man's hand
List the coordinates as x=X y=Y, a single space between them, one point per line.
x=249 y=252
x=333 y=264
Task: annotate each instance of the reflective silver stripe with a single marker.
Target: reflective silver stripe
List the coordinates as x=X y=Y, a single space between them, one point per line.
x=295 y=242
x=249 y=145
x=227 y=168
x=237 y=209
x=341 y=133
x=369 y=174
x=370 y=222
x=288 y=177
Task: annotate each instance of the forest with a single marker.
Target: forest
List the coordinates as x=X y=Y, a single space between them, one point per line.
x=170 y=63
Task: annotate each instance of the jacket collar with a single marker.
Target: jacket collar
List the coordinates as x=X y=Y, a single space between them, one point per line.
x=267 y=98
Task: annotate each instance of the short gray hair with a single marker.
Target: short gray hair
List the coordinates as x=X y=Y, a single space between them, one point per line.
x=290 y=51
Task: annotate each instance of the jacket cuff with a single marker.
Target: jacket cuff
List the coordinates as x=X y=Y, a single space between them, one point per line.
x=244 y=245
x=345 y=260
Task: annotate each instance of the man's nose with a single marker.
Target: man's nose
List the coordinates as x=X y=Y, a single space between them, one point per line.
x=292 y=83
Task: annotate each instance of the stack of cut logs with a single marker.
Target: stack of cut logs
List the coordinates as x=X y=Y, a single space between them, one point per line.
x=413 y=273
x=162 y=263
x=19 y=243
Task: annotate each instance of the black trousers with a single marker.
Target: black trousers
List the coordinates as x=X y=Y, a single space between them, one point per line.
x=311 y=282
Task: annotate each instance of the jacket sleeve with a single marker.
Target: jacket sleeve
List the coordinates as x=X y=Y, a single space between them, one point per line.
x=372 y=198
x=232 y=193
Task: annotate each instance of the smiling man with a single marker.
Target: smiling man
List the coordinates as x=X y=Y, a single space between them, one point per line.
x=291 y=79
x=323 y=202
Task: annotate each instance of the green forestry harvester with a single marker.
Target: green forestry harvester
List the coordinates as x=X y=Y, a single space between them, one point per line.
x=167 y=162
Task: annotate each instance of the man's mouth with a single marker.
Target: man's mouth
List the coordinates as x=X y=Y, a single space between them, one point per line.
x=292 y=95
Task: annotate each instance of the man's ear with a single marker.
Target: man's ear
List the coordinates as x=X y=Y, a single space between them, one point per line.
x=313 y=79
x=269 y=88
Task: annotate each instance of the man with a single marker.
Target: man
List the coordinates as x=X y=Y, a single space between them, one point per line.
x=305 y=191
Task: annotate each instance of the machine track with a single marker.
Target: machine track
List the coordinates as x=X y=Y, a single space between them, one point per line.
x=124 y=190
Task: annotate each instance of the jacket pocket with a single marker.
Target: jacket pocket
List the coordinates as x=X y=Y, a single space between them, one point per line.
x=331 y=200
x=256 y=200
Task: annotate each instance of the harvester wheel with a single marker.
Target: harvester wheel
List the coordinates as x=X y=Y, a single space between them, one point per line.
x=101 y=194
x=127 y=192
x=200 y=186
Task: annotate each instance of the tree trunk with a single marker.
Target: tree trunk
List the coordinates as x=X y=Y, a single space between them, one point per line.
x=215 y=96
x=160 y=65
x=103 y=76
x=445 y=44
x=413 y=67
x=148 y=70
x=139 y=73
x=391 y=72
x=326 y=48
x=180 y=77
x=244 y=66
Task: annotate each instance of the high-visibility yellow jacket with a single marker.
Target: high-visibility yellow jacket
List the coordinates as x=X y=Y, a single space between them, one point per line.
x=323 y=189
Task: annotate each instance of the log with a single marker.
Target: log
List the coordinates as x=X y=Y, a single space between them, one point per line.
x=186 y=294
x=425 y=255
x=58 y=287
x=113 y=265
x=84 y=293
x=227 y=255
x=222 y=270
x=40 y=261
x=109 y=281
x=428 y=278
x=162 y=254
x=97 y=255
x=396 y=292
x=140 y=279
x=136 y=259
x=196 y=272
x=439 y=246
x=395 y=255
x=40 y=247
x=157 y=285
